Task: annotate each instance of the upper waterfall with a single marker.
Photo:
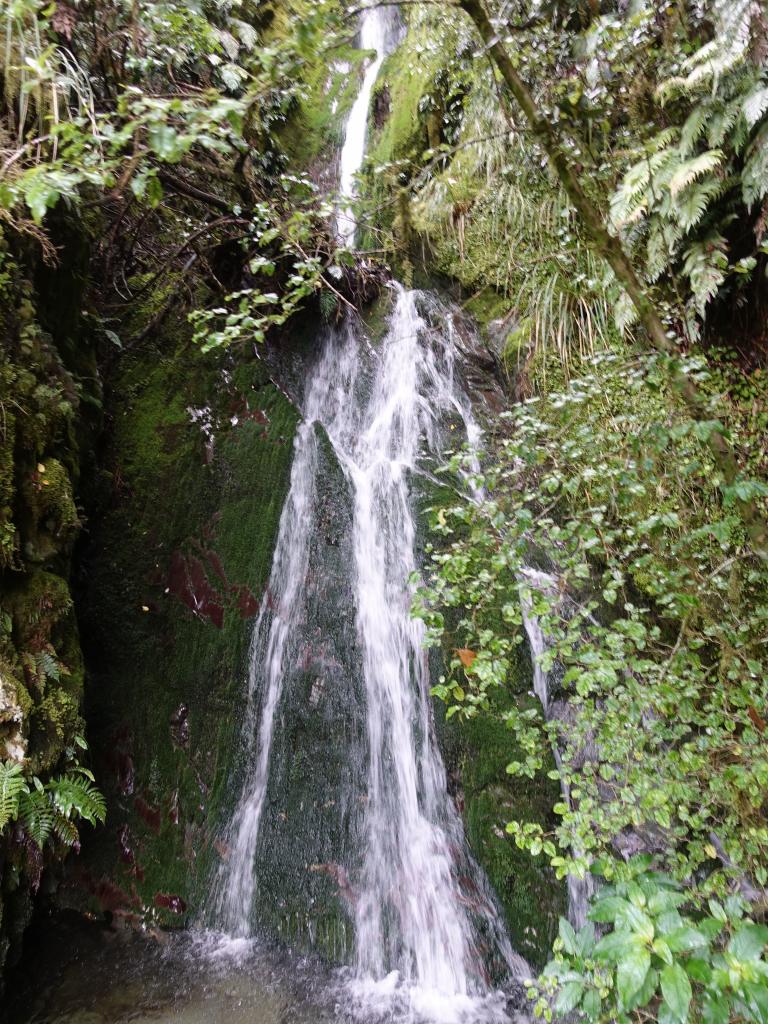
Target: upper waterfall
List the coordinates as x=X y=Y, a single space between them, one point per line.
x=378 y=33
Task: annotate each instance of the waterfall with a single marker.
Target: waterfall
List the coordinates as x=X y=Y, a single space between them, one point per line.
x=378 y=33
x=425 y=921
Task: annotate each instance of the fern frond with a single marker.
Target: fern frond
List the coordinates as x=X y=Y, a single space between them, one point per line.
x=48 y=665
x=37 y=815
x=661 y=250
x=705 y=265
x=12 y=786
x=721 y=122
x=755 y=105
x=79 y=795
x=695 y=168
x=696 y=199
x=719 y=57
x=694 y=128
x=754 y=177
x=65 y=830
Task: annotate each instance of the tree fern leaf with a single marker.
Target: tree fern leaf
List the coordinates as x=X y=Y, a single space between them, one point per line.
x=722 y=120
x=692 y=169
x=12 y=785
x=663 y=241
x=696 y=199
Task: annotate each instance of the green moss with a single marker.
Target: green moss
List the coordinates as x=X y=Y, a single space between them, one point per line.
x=531 y=897
x=316 y=126
x=43 y=352
x=200 y=459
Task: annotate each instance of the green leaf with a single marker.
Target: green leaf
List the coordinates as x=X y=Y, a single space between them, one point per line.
x=586 y=939
x=12 y=786
x=568 y=937
x=662 y=950
x=676 y=988
x=749 y=941
x=698 y=969
x=638 y=921
x=631 y=973
x=685 y=938
x=590 y=1004
x=757 y=999
x=569 y=996
x=715 y=1010
x=616 y=945
x=607 y=909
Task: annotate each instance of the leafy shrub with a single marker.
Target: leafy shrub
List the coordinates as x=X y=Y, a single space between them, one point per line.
x=661 y=956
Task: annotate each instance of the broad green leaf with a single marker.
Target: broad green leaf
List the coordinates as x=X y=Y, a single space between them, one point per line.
x=749 y=941
x=568 y=937
x=569 y=996
x=616 y=945
x=590 y=1004
x=715 y=1010
x=631 y=973
x=676 y=987
x=607 y=909
x=662 y=950
x=637 y=920
x=757 y=999
x=685 y=938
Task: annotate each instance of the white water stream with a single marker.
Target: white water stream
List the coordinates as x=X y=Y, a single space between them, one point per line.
x=424 y=919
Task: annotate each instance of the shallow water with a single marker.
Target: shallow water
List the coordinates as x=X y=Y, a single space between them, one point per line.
x=80 y=972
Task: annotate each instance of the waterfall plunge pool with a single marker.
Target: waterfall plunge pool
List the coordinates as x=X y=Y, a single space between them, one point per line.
x=76 y=971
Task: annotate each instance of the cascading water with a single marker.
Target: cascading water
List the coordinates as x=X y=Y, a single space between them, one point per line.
x=424 y=919
x=378 y=33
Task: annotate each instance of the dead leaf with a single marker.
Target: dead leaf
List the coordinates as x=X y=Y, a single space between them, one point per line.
x=466 y=657
x=64 y=20
x=757 y=720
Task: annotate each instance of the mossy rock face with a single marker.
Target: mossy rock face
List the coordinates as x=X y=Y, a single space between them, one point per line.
x=46 y=367
x=530 y=896
x=187 y=509
x=309 y=838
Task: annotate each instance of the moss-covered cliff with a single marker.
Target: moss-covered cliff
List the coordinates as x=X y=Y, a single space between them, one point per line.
x=49 y=406
x=185 y=510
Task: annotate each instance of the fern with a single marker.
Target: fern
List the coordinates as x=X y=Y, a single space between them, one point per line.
x=66 y=830
x=754 y=177
x=696 y=200
x=12 y=786
x=705 y=265
x=755 y=105
x=74 y=794
x=694 y=128
x=688 y=171
x=723 y=54
x=37 y=815
x=48 y=665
